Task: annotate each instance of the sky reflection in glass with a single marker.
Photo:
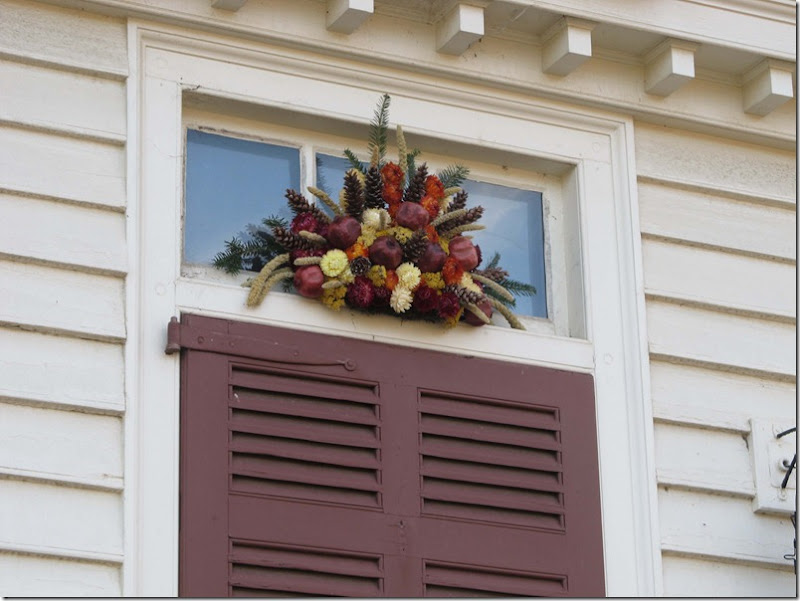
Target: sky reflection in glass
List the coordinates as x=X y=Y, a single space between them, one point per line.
x=231 y=183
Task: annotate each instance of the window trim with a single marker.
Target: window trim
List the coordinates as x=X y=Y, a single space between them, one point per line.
x=596 y=145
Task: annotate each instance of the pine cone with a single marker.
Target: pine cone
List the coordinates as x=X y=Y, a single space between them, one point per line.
x=299 y=204
x=373 y=193
x=360 y=265
x=416 y=189
x=416 y=245
x=459 y=201
x=289 y=240
x=353 y=195
x=471 y=216
x=495 y=274
x=467 y=296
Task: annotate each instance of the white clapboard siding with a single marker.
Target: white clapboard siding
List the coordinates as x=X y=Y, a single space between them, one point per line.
x=692 y=577
x=713 y=525
x=729 y=166
x=54 y=232
x=685 y=394
x=61 y=371
x=59 y=445
x=75 y=38
x=703 y=459
x=31 y=576
x=717 y=278
x=62 y=167
x=707 y=219
x=45 y=298
x=60 y=520
x=710 y=337
x=86 y=104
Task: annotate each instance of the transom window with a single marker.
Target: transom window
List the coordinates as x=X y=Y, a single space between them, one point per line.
x=233 y=183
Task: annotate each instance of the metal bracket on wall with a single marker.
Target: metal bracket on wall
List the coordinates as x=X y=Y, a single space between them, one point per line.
x=773 y=458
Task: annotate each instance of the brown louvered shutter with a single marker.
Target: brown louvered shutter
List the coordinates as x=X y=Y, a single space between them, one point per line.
x=318 y=465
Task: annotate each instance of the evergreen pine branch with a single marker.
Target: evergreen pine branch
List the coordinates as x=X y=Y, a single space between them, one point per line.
x=378 y=128
x=275 y=221
x=495 y=260
x=411 y=163
x=518 y=288
x=453 y=175
x=230 y=259
x=499 y=298
x=355 y=163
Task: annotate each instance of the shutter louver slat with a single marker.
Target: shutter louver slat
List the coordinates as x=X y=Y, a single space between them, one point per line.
x=446 y=580
x=303 y=446
x=488 y=471
x=283 y=569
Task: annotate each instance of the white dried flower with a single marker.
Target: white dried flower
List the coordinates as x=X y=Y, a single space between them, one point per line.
x=401 y=299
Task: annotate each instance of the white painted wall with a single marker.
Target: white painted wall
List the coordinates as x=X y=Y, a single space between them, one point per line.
x=62 y=277
x=719 y=250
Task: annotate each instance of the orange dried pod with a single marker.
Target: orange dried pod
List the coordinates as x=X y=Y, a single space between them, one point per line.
x=391 y=279
x=433 y=235
x=434 y=187
x=452 y=272
x=431 y=205
x=357 y=250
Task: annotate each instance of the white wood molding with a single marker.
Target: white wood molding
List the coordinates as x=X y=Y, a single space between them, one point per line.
x=595 y=146
x=767 y=86
x=459 y=29
x=345 y=16
x=668 y=66
x=232 y=5
x=567 y=45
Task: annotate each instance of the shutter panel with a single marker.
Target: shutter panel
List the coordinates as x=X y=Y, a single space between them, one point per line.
x=314 y=465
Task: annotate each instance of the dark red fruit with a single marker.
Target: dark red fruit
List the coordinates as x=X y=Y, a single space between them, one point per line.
x=412 y=215
x=308 y=281
x=386 y=251
x=463 y=251
x=473 y=319
x=432 y=259
x=343 y=232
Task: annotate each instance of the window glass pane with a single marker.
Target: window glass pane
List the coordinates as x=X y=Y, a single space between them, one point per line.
x=513 y=220
x=231 y=183
x=330 y=174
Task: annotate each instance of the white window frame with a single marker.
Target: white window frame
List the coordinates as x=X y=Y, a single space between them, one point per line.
x=592 y=151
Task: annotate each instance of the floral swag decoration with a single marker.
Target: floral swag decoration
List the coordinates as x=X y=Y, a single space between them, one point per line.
x=395 y=243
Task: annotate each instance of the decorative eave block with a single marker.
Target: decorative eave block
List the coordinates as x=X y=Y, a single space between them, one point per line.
x=459 y=29
x=345 y=16
x=668 y=66
x=233 y=5
x=567 y=45
x=767 y=86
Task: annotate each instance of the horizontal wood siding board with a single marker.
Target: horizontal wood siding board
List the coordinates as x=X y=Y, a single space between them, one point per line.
x=64 y=371
x=716 y=278
x=719 y=164
x=55 y=166
x=703 y=459
x=49 y=232
x=60 y=518
x=31 y=576
x=64 y=36
x=719 y=526
x=730 y=341
x=53 y=443
x=48 y=299
x=693 y=577
x=684 y=394
x=716 y=221
x=86 y=105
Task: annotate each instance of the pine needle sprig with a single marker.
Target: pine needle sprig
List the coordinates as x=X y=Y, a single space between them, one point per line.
x=353 y=195
x=459 y=201
x=232 y=257
x=518 y=288
x=453 y=175
x=416 y=189
x=373 y=189
x=354 y=161
x=378 y=128
x=411 y=163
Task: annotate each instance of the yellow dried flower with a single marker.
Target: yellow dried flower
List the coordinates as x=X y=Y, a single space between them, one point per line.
x=377 y=275
x=401 y=299
x=334 y=297
x=445 y=244
x=368 y=235
x=433 y=280
x=346 y=276
x=401 y=234
x=408 y=275
x=333 y=262
x=468 y=283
